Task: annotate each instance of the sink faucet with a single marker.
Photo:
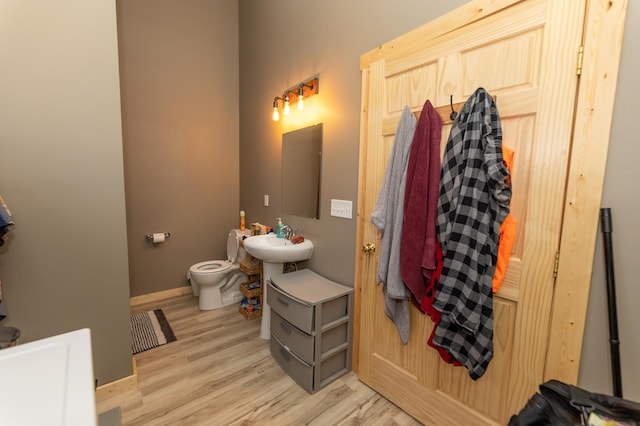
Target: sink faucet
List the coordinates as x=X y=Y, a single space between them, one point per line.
x=288 y=231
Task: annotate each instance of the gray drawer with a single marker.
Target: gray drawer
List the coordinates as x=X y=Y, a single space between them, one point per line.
x=300 y=343
x=334 y=310
x=332 y=367
x=291 y=309
x=333 y=338
x=300 y=372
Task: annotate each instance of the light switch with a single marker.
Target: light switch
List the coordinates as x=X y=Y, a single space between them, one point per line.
x=341 y=208
x=266 y=200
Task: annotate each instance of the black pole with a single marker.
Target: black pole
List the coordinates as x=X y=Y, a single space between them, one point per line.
x=605 y=220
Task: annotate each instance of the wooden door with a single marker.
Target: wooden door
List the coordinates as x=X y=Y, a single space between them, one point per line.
x=526 y=55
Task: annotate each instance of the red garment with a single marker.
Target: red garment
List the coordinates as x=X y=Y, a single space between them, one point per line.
x=418 y=243
x=421 y=257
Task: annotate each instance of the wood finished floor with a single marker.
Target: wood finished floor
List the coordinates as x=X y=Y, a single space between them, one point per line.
x=220 y=372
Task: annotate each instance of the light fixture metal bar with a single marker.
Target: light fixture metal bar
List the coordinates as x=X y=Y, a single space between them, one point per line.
x=309 y=88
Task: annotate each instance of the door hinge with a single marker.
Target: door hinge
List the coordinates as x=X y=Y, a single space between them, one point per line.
x=555 y=266
x=580 y=58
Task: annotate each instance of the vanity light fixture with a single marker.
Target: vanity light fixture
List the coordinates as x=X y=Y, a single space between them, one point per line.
x=297 y=94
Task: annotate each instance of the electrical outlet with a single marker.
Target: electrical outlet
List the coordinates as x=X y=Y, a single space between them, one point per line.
x=341 y=208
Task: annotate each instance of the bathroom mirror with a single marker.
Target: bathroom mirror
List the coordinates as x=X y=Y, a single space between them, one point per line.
x=301 y=165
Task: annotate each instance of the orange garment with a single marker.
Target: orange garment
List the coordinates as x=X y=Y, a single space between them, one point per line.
x=507 y=230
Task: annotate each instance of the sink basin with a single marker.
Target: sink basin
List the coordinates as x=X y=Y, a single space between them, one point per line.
x=272 y=249
x=273 y=252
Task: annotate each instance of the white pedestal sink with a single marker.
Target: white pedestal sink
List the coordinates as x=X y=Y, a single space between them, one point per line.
x=274 y=252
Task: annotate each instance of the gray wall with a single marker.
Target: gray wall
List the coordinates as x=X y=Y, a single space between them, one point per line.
x=179 y=77
x=622 y=195
x=61 y=174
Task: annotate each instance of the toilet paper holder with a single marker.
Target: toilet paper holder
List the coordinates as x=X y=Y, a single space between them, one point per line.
x=149 y=237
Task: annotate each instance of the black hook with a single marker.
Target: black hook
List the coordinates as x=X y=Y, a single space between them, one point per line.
x=453 y=114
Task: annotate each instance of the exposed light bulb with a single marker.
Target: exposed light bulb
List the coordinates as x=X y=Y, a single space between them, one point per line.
x=300 y=99
x=276 y=115
x=286 y=109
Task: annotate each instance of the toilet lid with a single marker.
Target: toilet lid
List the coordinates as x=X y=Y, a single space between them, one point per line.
x=211 y=266
x=233 y=243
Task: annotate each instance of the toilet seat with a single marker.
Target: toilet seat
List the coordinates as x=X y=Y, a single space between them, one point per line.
x=215 y=266
x=210 y=267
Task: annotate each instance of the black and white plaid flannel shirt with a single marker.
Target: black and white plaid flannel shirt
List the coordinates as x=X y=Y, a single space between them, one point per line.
x=474 y=200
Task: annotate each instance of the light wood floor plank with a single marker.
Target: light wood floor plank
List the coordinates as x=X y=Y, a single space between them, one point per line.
x=220 y=372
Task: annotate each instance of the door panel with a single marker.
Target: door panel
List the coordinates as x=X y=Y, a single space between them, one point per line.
x=524 y=55
x=488 y=395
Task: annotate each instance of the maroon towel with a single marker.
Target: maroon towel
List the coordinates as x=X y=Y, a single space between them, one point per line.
x=418 y=244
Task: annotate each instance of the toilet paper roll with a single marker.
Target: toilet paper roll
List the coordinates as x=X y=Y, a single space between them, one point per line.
x=158 y=238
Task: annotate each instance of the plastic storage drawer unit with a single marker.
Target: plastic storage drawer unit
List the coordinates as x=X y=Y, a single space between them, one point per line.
x=310 y=327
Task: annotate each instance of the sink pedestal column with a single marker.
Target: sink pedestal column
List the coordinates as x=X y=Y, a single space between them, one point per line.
x=268 y=270
x=274 y=253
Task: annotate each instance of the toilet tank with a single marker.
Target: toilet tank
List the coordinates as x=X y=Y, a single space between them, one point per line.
x=236 y=253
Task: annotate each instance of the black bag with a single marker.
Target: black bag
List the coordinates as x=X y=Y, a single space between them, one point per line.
x=560 y=404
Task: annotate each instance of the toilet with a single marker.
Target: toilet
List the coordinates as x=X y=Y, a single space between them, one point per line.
x=215 y=282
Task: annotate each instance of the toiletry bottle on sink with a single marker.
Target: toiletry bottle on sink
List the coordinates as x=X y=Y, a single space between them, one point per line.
x=279 y=230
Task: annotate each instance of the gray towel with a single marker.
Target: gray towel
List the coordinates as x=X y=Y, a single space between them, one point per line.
x=387 y=216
